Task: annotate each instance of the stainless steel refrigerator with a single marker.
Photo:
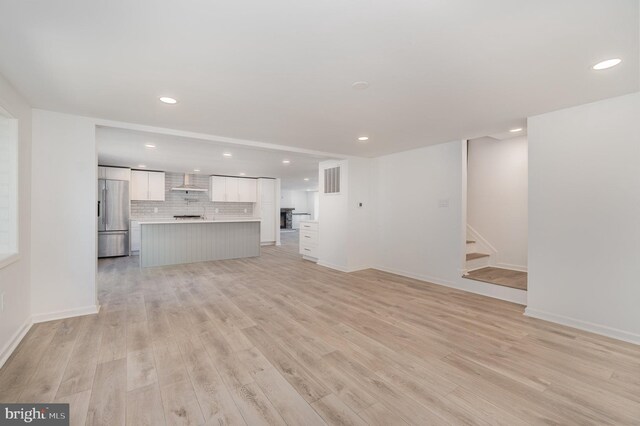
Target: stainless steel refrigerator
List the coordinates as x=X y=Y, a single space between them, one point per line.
x=113 y=218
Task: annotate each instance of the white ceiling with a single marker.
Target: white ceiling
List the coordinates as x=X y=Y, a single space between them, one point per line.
x=280 y=71
x=123 y=147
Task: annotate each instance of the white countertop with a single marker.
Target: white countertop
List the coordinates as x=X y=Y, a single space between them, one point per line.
x=189 y=221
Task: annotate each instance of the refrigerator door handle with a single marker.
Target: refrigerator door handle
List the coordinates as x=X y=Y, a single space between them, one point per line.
x=98 y=208
x=104 y=216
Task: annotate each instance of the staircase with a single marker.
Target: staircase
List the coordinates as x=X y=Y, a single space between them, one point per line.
x=475 y=259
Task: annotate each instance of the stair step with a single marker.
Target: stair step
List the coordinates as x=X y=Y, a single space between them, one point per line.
x=472 y=256
x=470 y=242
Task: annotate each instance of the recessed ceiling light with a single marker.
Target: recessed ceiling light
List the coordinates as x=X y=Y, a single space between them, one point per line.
x=227 y=154
x=607 y=64
x=242 y=174
x=363 y=138
x=360 y=85
x=168 y=100
x=196 y=170
x=149 y=145
x=519 y=129
x=142 y=166
x=306 y=179
x=286 y=161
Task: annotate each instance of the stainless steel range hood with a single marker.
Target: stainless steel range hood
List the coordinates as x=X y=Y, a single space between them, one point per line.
x=188 y=186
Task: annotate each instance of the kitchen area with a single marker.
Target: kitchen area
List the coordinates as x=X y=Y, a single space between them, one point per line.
x=169 y=218
x=166 y=199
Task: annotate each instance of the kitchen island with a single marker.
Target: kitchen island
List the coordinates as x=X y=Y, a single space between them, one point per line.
x=172 y=242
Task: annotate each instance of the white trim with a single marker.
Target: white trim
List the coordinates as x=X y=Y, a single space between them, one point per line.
x=9 y=259
x=519 y=268
x=342 y=268
x=477 y=287
x=86 y=310
x=584 y=325
x=15 y=340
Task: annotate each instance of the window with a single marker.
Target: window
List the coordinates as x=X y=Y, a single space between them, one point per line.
x=8 y=188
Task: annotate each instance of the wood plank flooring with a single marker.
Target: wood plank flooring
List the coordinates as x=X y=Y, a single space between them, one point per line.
x=278 y=340
x=499 y=276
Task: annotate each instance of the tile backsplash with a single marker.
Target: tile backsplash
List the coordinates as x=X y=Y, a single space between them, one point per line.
x=193 y=203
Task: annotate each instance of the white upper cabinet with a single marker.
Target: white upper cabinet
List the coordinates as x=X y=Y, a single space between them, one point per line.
x=147 y=186
x=232 y=189
x=268 y=190
x=218 y=190
x=115 y=173
x=156 y=186
x=248 y=190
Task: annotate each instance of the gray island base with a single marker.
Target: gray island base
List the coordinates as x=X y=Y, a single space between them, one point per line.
x=176 y=242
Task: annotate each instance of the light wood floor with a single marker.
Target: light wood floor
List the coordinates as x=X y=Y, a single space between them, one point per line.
x=277 y=340
x=499 y=276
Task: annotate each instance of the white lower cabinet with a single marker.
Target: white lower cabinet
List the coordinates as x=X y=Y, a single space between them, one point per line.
x=309 y=239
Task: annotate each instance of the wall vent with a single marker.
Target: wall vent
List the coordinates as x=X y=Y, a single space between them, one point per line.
x=332 y=180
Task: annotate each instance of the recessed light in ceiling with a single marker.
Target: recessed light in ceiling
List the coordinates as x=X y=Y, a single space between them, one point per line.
x=363 y=138
x=242 y=174
x=227 y=154
x=149 y=145
x=168 y=100
x=142 y=166
x=286 y=161
x=360 y=85
x=607 y=64
x=306 y=179
x=519 y=129
x=196 y=170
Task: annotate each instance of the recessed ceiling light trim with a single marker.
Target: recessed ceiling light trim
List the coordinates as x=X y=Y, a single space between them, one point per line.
x=519 y=129
x=607 y=64
x=196 y=170
x=142 y=166
x=168 y=100
x=306 y=179
x=227 y=154
x=149 y=145
x=363 y=138
x=360 y=85
x=286 y=161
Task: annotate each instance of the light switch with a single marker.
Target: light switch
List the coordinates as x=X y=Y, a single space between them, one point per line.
x=443 y=203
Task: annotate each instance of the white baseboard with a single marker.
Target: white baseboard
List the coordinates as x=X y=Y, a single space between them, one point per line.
x=519 y=268
x=15 y=340
x=342 y=268
x=50 y=316
x=485 y=289
x=584 y=325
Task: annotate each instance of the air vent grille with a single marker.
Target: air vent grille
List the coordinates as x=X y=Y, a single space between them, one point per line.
x=332 y=180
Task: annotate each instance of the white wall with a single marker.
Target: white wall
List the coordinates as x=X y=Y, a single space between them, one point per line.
x=15 y=277
x=63 y=216
x=294 y=199
x=416 y=237
x=584 y=217
x=334 y=223
x=497 y=197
